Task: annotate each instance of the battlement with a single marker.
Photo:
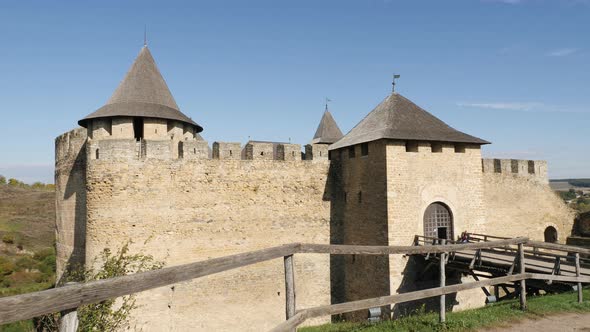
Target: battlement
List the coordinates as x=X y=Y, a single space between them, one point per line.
x=112 y=148
x=535 y=169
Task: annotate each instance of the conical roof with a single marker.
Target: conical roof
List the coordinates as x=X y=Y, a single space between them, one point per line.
x=142 y=93
x=397 y=117
x=328 y=131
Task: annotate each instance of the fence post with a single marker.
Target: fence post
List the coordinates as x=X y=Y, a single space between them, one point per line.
x=521 y=264
x=578 y=274
x=442 y=284
x=289 y=286
x=69 y=318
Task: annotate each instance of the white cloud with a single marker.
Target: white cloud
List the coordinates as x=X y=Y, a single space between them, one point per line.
x=562 y=52
x=503 y=106
x=520 y=107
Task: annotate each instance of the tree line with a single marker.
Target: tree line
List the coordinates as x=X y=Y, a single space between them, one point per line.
x=19 y=184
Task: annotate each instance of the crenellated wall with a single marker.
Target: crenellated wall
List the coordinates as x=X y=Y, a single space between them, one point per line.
x=531 y=169
x=178 y=201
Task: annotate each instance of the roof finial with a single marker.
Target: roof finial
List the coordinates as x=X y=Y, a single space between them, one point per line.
x=395 y=76
x=144 y=35
x=327 y=101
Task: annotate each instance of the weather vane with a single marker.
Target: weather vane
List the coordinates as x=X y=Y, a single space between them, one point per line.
x=327 y=101
x=395 y=76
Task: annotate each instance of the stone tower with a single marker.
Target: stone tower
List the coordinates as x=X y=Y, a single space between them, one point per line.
x=326 y=134
x=141 y=118
x=393 y=165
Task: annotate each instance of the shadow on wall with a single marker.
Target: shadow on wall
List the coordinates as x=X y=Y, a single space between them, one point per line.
x=420 y=274
x=76 y=189
x=355 y=277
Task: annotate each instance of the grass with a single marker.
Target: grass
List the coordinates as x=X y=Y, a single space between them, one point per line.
x=496 y=315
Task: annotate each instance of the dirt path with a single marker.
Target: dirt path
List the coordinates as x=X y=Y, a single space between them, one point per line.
x=557 y=323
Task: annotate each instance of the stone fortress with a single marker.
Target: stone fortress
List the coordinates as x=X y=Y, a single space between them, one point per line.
x=138 y=170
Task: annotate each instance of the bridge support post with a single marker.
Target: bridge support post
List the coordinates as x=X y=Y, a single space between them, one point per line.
x=289 y=286
x=521 y=264
x=578 y=274
x=442 y=315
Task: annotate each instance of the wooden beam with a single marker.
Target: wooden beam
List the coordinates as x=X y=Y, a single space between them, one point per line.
x=540 y=276
x=19 y=307
x=443 y=277
x=289 y=287
x=336 y=249
x=292 y=323
x=559 y=247
x=521 y=263
x=340 y=308
x=578 y=274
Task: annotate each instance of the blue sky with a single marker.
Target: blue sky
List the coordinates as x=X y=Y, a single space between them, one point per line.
x=516 y=73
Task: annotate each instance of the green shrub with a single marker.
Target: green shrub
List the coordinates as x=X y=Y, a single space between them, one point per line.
x=8 y=238
x=105 y=315
x=2 y=180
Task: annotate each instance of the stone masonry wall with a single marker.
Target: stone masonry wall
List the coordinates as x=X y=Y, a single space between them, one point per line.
x=414 y=181
x=184 y=211
x=70 y=198
x=359 y=217
x=524 y=206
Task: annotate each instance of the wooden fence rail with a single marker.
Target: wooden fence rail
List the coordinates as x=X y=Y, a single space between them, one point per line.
x=70 y=297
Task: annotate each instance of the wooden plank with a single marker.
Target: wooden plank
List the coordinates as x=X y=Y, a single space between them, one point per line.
x=69 y=321
x=335 y=249
x=559 y=247
x=289 y=287
x=19 y=307
x=340 y=308
x=578 y=274
x=540 y=276
x=521 y=264
x=443 y=278
x=485 y=290
x=69 y=318
x=292 y=323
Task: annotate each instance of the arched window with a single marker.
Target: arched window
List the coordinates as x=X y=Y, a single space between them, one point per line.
x=550 y=234
x=438 y=221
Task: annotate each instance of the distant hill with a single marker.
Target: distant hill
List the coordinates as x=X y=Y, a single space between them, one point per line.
x=27 y=238
x=567 y=184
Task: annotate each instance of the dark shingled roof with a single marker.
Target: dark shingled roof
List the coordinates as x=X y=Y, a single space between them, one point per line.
x=143 y=92
x=398 y=118
x=328 y=131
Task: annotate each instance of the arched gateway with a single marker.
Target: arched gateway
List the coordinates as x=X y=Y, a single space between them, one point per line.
x=438 y=221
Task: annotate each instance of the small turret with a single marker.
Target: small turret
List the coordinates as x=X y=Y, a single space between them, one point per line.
x=326 y=134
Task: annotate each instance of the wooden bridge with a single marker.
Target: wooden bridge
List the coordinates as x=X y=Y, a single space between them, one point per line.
x=503 y=262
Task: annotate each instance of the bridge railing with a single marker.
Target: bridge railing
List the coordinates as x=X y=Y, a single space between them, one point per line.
x=70 y=297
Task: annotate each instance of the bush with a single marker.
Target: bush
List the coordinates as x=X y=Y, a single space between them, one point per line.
x=2 y=180
x=105 y=315
x=8 y=238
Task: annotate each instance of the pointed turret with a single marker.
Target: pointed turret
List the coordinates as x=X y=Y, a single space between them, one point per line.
x=397 y=117
x=142 y=93
x=328 y=131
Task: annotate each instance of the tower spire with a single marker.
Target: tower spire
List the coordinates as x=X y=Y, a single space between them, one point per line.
x=145 y=35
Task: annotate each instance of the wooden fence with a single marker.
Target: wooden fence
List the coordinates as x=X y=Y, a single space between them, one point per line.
x=69 y=297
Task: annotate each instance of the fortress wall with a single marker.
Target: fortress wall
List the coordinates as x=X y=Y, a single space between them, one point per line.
x=184 y=211
x=359 y=217
x=524 y=206
x=532 y=169
x=414 y=181
x=70 y=198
